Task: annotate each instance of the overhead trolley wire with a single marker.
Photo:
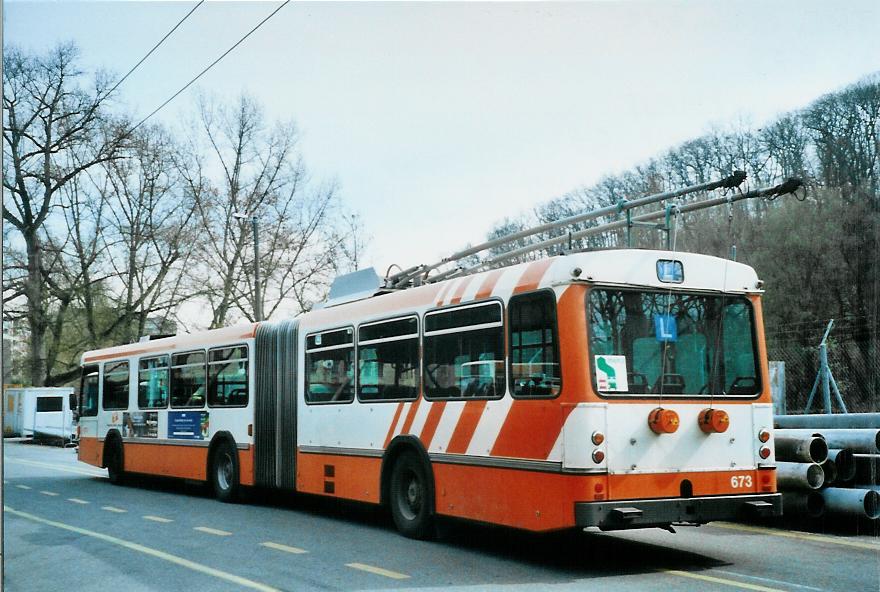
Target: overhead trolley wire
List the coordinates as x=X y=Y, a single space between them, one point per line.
x=155 y=47
x=208 y=67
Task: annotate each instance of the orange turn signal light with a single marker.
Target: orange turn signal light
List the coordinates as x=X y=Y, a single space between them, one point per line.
x=663 y=421
x=598 y=438
x=713 y=421
x=764 y=435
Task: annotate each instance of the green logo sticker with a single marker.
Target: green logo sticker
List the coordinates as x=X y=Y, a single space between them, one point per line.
x=611 y=373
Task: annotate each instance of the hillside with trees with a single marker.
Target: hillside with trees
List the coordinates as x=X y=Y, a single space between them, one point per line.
x=819 y=257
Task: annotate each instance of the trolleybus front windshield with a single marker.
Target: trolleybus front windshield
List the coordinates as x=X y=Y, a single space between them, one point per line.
x=672 y=343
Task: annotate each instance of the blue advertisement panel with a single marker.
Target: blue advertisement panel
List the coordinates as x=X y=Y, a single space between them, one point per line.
x=188 y=425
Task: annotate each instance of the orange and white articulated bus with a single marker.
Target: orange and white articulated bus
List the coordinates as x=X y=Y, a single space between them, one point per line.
x=617 y=389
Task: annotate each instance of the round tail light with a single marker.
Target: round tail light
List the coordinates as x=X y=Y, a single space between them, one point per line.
x=598 y=438
x=713 y=421
x=663 y=421
x=764 y=435
x=764 y=452
x=598 y=456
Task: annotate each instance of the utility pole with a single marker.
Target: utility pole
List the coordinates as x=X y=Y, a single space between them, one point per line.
x=258 y=292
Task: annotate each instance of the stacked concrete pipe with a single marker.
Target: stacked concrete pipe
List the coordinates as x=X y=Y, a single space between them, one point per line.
x=829 y=464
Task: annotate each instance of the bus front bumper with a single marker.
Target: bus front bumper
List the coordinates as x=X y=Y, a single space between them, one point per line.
x=618 y=515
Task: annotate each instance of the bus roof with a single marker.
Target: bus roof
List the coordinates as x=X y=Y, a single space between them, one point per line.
x=619 y=267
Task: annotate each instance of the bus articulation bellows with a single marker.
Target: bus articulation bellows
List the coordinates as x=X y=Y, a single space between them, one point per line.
x=618 y=389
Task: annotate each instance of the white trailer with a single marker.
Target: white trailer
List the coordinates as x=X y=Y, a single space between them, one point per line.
x=35 y=412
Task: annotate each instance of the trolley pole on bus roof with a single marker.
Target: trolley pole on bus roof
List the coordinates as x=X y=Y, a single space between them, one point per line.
x=258 y=296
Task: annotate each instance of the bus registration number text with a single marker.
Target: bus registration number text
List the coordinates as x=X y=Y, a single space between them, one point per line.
x=740 y=481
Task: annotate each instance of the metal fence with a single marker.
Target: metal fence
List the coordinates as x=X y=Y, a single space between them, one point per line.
x=853 y=357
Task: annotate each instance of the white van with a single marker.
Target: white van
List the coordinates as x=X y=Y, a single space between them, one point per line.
x=36 y=412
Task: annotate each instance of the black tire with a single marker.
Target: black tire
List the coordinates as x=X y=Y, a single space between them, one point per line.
x=115 y=462
x=410 y=498
x=224 y=473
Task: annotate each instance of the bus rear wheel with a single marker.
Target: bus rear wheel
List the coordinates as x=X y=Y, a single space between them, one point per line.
x=224 y=473
x=410 y=497
x=115 y=462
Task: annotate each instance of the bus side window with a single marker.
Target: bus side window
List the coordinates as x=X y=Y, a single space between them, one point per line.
x=228 y=377
x=330 y=366
x=116 y=385
x=153 y=383
x=464 y=352
x=388 y=360
x=534 y=345
x=188 y=380
x=88 y=391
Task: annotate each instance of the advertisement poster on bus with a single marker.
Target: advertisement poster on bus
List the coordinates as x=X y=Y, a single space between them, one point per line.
x=188 y=425
x=140 y=424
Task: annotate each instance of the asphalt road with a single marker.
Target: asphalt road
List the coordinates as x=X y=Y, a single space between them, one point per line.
x=67 y=528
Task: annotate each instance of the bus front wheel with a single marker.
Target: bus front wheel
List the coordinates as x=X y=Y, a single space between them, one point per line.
x=115 y=462
x=410 y=501
x=224 y=473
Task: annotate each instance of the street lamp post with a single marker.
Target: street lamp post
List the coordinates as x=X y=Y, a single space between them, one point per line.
x=258 y=296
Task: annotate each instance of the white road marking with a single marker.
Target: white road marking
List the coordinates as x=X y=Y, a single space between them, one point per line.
x=76 y=500
x=797 y=535
x=722 y=581
x=51 y=493
x=285 y=548
x=217 y=573
x=158 y=519
x=113 y=509
x=212 y=531
x=378 y=571
x=93 y=473
x=770 y=580
x=22 y=486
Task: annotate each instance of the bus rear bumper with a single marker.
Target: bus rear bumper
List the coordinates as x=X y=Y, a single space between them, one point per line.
x=618 y=515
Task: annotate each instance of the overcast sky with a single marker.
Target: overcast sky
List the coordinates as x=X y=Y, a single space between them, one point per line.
x=440 y=119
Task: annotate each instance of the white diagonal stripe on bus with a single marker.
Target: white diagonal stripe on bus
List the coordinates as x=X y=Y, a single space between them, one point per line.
x=489 y=426
x=556 y=451
x=421 y=415
x=446 y=427
x=401 y=420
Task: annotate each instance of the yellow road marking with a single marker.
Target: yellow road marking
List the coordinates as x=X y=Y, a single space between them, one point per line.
x=52 y=493
x=805 y=536
x=150 y=551
x=212 y=531
x=158 y=519
x=76 y=500
x=722 y=581
x=286 y=548
x=22 y=486
x=54 y=467
x=378 y=571
x=112 y=509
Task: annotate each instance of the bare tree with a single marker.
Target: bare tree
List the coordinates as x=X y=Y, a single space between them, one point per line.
x=302 y=229
x=53 y=131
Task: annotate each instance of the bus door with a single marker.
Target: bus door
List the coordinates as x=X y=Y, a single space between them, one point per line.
x=88 y=411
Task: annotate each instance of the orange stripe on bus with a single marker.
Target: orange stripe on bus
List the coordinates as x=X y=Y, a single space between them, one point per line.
x=531 y=277
x=466 y=426
x=354 y=477
x=456 y=298
x=393 y=425
x=530 y=429
x=485 y=289
x=407 y=424
x=432 y=422
x=443 y=291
